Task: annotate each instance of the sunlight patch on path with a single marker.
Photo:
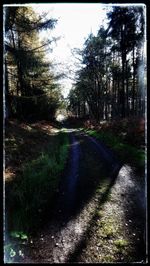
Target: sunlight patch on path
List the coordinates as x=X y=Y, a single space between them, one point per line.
x=54 y=131
x=117 y=219
x=126 y=197
x=60 y=117
x=72 y=233
x=125 y=189
x=127 y=180
x=70 y=130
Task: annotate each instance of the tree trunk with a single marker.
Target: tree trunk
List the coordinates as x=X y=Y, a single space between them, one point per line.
x=127 y=90
x=123 y=58
x=133 y=87
x=7 y=103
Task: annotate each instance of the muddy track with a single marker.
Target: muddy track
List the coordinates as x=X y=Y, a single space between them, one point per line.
x=60 y=240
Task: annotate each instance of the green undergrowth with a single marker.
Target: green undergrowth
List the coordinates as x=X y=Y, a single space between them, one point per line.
x=34 y=190
x=125 y=152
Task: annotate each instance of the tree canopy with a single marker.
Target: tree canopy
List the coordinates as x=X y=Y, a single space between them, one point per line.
x=108 y=84
x=31 y=86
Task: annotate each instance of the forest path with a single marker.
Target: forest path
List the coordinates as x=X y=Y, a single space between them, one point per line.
x=94 y=181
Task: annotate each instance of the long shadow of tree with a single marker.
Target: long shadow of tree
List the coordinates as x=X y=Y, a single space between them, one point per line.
x=75 y=255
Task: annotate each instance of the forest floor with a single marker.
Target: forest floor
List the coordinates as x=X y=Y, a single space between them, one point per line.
x=99 y=214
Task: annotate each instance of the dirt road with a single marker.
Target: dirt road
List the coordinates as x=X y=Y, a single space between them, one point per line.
x=99 y=203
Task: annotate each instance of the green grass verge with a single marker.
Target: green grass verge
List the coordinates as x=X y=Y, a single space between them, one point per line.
x=125 y=152
x=35 y=189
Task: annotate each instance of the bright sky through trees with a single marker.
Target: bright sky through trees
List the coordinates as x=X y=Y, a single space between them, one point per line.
x=75 y=23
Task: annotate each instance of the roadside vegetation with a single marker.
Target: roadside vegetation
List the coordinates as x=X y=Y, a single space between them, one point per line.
x=126 y=138
x=31 y=189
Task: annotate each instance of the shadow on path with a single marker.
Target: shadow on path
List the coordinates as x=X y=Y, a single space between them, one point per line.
x=75 y=255
x=89 y=164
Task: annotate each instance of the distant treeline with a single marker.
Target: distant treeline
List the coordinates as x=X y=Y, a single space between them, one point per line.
x=111 y=82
